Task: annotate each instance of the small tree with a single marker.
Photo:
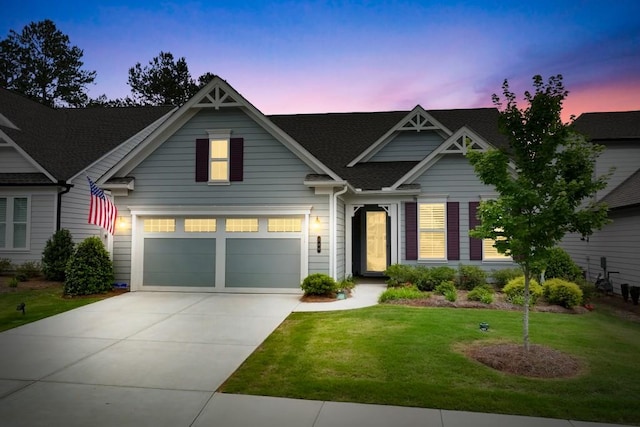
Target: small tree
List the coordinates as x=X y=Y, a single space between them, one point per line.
x=40 y=63
x=545 y=181
x=89 y=270
x=56 y=254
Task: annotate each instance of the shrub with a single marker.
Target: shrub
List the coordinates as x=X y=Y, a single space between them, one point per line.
x=482 y=293
x=13 y=282
x=503 y=276
x=407 y=292
x=29 y=269
x=89 y=270
x=451 y=295
x=587 y=288
x=21 y=277
x=470 y=276
x=399 y=275
x=422 y=278
x=5 y=265
x=429 y=278
x=562 y=292
x=56 y=254
x=318 y=284
x=514 y=291
x=346 y=284
x=444 y=287
x=560 y=265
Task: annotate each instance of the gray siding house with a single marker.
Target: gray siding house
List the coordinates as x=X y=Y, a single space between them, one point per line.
x=216 y=196
x=619 y=241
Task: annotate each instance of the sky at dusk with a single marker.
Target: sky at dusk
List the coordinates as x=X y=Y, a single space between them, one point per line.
x=306 y=57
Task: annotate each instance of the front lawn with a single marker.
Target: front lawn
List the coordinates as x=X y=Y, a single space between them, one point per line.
x=409 y=356
x=39 y=303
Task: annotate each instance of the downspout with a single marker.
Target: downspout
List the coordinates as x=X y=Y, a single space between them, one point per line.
x=333 y=232
x=66 y=189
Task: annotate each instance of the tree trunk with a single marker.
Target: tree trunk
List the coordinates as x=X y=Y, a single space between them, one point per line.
x=525 y=320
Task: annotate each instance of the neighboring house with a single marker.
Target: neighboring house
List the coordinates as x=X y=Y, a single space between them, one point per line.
x=45 y=156
x=619 y=241
x=217 y=196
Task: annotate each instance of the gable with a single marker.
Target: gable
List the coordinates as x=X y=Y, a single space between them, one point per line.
x=409 y=146
x=217 y=96
x=12 y=161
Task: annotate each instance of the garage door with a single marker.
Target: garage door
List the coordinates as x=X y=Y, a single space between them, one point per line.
x=222 y=252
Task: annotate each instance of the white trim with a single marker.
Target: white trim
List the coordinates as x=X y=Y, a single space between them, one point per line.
x=400 y=126
x=249 y=210
x=425 y=200
x=192 y=107
x=444 y=148
x=148 y=129
x=29 y=159
x=10 y=223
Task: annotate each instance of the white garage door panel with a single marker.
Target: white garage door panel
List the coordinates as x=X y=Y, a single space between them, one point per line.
x=262 y=263
x=179 y=262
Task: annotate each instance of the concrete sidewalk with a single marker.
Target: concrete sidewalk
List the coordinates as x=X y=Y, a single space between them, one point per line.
x=156 y=359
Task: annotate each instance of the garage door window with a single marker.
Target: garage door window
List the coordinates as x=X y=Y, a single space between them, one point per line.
x=159 y=225
x=284 y=225
x=200 y=225
x=241 y=225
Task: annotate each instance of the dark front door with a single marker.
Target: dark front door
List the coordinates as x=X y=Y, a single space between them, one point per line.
x=371 y=243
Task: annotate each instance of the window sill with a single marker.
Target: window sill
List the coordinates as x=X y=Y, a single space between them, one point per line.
x=219 y=183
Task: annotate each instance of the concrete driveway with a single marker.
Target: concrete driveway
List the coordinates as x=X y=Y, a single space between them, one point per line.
x=139 y=359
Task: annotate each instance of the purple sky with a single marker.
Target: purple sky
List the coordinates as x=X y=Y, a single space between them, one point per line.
x=299 y=57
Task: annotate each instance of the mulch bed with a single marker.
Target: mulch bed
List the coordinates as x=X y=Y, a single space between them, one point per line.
x=538 y=362
x=41 y=283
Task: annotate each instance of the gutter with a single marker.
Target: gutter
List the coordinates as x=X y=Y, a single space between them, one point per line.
x=333 y=231
x=65 y=190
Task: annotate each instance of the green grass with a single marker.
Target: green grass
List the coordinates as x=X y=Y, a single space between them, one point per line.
x=407 y=356
x=39 y=303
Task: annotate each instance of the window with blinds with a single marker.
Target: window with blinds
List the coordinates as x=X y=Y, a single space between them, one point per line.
x=432 y=231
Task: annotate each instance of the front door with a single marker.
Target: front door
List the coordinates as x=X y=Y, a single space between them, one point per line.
x=371 y=231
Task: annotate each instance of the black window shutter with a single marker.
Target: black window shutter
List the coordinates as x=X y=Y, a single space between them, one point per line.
x=236 y=157
x=202 y=160
x=411 y=230
x=475 y=245
x=453 y=231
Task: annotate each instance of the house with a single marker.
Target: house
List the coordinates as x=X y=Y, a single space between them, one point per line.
x=45 y=156
x=216 y=196
x=619 y=241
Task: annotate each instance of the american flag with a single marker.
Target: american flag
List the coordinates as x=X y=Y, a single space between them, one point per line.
x=102 y=211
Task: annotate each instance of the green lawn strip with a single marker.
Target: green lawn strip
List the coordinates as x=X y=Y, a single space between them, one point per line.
x=39 y=303
x=410 y=357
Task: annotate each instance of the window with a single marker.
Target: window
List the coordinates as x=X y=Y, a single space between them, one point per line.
x=489 y=251
x=200 y=225
x=432 y=231
x=283 y=225
x=241 y=225
x=159 y=225
x=14 y=213
x=219 y=160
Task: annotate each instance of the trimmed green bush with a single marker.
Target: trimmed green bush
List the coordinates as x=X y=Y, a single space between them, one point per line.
x=503 y=276
x=470 y=276
x=318 y=284
x=399 y=275
x=429 y=278
x=451 y=295
x=346 y=284
x=444 y=287
x=56 y=254
x=29 y=269
x=5 y=265
x=514 y=290
x=89 y=270
x=587 y=288
x=562 y=292
x=482 y=293
x=560 y=265
x=406 y=292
